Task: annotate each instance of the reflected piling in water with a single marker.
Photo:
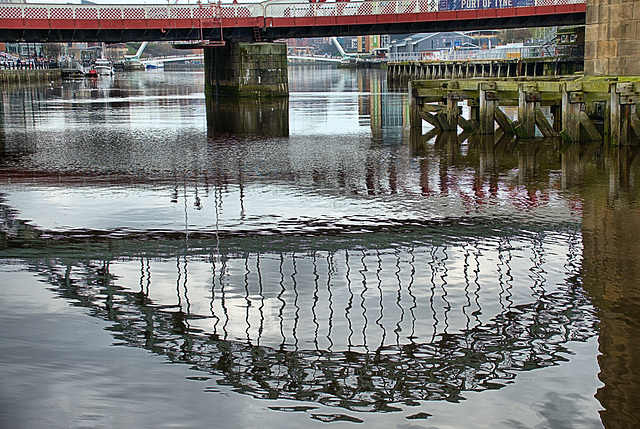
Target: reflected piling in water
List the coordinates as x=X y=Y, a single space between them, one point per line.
x=248 y=116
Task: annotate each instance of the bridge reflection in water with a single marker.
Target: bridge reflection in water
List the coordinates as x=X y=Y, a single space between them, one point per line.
x=532 y=248
x=392 y=317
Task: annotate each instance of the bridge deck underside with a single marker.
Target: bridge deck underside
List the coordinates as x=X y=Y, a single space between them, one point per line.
x=121 y=30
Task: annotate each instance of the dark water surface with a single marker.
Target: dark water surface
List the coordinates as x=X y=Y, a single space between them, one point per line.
x=172 y=261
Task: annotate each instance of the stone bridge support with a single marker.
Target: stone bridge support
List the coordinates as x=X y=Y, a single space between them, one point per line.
x=612 y=38
x=239 y=69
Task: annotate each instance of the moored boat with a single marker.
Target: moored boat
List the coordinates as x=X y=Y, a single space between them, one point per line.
x=71 y=69
x=103 y=67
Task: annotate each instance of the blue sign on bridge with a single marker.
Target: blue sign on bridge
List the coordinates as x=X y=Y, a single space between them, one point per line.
x=482 y=4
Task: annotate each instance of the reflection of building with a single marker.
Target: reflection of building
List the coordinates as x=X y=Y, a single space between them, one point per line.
x=385 y=110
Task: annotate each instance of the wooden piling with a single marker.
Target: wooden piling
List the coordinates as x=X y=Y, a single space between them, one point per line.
x=615 y=116
x=414 y=117
x=634 y=121
x=528 y=102
x=556 y=113
x=487 y=106
x=622 y=98
x=571 y=105
x=452 y=112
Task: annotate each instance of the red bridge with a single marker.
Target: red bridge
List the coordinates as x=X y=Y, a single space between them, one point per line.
x=272 y=20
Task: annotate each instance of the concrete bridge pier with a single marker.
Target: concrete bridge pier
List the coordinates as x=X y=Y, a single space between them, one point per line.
x=238 y=69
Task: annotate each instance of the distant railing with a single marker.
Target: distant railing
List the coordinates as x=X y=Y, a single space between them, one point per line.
x=410 y=56
x=476 y=54
x=24 y=64
x=14 y=11
x=171 y=58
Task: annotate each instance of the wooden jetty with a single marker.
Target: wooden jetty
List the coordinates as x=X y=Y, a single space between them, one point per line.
x=582 y=108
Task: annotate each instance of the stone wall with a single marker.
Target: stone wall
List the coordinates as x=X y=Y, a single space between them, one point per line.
x=612 y=38
x=28 y=76
x=247 y=70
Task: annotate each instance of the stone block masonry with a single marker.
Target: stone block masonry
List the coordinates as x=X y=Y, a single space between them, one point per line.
x=612 y=38
x=256 y=70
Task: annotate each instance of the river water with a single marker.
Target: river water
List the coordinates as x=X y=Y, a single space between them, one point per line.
x=168 y=260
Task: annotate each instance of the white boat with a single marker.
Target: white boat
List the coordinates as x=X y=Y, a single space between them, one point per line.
x=103 y=67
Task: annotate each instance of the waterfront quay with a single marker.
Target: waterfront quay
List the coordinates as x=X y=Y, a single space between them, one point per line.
x=27 y=76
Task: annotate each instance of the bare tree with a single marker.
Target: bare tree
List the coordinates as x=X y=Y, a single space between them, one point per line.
x=516 y=35
x=52 y=50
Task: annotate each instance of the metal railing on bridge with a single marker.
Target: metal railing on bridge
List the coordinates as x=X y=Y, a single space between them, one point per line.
x=12 y=11
x=125 y=12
